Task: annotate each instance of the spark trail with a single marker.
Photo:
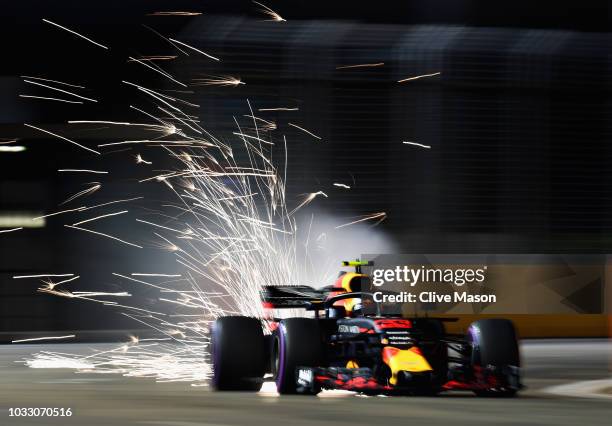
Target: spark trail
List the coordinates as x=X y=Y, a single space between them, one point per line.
x=175 y=13
x=62 y=137
x=234 y=234
x=5 y=231
x=221 y=80
x=417 y=144
x=194 y=49
x=417 y=77
x=270 y=13
x=38 y=339
x=304 y=130
x=377 y=64
x=75 y=33
x=225 y=220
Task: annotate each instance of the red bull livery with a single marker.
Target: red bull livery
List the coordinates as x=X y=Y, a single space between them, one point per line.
x=351 y=342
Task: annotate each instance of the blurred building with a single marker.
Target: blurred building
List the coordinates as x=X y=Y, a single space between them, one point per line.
x=518 y=123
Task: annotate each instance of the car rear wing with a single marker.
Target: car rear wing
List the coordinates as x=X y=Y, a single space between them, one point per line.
x=292 y=296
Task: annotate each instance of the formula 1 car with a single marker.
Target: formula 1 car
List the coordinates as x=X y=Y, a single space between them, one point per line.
x=354 y=343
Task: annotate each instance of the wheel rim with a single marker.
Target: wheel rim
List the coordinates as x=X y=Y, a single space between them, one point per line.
x=279 y=363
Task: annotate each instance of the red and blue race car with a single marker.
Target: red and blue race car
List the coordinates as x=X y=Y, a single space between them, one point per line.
x=354 y=343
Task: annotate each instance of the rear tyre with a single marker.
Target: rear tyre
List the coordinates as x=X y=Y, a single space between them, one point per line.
x=495 y=347
x=297 y=344
x=238 y=352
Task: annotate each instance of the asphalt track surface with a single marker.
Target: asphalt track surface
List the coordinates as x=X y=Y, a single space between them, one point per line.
x=97 y=399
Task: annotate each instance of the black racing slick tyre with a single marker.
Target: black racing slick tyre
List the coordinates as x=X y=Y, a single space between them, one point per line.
x=238 y=354
x=494 y=346
x=297 y=343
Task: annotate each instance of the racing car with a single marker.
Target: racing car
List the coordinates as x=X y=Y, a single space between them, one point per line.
x=353 y=343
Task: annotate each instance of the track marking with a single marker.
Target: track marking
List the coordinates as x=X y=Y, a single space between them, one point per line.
x=583 y=389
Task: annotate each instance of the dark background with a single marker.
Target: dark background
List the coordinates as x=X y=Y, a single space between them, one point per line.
x=519 y=123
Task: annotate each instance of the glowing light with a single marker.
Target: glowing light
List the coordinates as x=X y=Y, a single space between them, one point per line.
x=194 y=49
x=104 y=235
x=12 y=148
x=417 y=144
x=99 y=217
x=266 y=125
x=269 y=12
x=176 y=13
x=53 y=81
x=95 y=186
x=377 y=64
x=78 y=209
x=83 y=171
x=63 y=138
x=378 y=217
x=5 y=231
x=37 y=339
x=158 y=70
x=21 y=220
x=45 y=98
x=166 y=39
x=221 y=80
x=279 y=109
x=416 y=77
x=154 y=58
x=307 y=200
x=101 y=293
x=75 y=33
x=341 y=185
x=140 y=160
x=50 y=285
x=35 y=83
x=16 y=277
x=304 y=130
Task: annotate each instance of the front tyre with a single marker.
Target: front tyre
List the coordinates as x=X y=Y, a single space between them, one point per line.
x=297 y=343
x=238 y=354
